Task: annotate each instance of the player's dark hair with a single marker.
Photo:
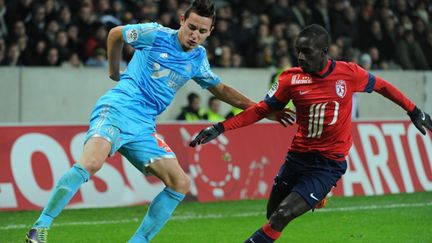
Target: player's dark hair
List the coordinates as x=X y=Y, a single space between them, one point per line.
x=211 y=99
x=191 y=97
x=318 y=33
x=204 y=8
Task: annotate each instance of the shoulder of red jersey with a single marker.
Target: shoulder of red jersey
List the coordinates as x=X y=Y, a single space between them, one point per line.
x=347 y=66
x=295 y=76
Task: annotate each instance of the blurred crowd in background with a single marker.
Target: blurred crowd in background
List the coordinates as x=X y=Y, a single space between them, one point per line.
x=377 y=34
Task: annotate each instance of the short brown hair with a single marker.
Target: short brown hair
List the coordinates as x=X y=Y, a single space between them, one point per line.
x=204 y=8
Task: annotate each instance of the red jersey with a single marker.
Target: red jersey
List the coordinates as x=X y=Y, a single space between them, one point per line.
x=323 y=105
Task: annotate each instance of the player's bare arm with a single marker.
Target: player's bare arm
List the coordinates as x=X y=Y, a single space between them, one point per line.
x=231 y=96
x=114 y=47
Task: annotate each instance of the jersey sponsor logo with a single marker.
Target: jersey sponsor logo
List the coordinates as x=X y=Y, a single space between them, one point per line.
x=301 y=79
x=341 y=88
x=131 y=35
x=173 y=79
x=304 y=92
x=273 y=89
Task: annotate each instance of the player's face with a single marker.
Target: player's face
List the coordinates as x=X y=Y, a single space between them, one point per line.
x=194 y=30
x=310 y=57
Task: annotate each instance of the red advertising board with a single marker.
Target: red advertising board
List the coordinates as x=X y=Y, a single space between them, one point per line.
x=386 y=157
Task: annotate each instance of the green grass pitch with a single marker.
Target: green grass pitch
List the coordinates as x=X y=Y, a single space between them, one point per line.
x=392 y=218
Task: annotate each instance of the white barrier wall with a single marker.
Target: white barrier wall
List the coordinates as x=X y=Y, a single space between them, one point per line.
x=67 y=95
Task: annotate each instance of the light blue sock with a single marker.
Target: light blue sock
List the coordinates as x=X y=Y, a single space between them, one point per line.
x=63 y=192
x=158 y=213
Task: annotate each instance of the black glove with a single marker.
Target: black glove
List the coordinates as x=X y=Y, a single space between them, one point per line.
x=208 y=134
x=420 y=120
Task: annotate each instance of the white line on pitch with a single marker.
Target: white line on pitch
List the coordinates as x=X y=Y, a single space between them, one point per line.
x=192 y=216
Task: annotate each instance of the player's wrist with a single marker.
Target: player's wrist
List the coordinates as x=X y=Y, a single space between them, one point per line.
x=415 y=112
x=219 y=127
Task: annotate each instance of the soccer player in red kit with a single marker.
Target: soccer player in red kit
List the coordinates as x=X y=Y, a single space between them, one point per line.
x=321 y=89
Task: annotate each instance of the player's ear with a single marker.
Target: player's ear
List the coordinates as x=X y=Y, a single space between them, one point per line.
x=182 y=19
x=325 y=51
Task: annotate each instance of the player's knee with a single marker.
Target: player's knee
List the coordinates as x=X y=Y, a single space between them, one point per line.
x=283 y=215
x=92 y=165
x=183 y=184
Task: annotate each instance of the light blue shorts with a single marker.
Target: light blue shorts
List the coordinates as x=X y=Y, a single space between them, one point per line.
x=133 y=138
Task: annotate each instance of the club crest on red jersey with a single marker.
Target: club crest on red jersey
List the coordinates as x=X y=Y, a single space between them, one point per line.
x=341 y=88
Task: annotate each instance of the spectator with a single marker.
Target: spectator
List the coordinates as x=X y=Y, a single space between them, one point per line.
x=62 y=43
x=320 y=14
x=99 y=59
x=213 y=110
x=13 y=56
x=365 y=61
x=85 y=21
x=73 y=61
x=390 y=39
x=374 y=54
x=3 y=25
x=410 y=54
x=302 y=13
x=19 y=30
x=53 y=57
x=36 y=26
x=192 y=112
x=51 y=10
x=38 y=54
x=75 y=42
x=335 y=52
x=51 y=32
x=237 y=60
x=248 y=33
x=65 y=19
x=225 y=57
x=24 y=50
x=18 y=10
x=96 y=41
x=281 y=12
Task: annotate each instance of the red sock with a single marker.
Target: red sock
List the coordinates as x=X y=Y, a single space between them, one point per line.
x=270 y=232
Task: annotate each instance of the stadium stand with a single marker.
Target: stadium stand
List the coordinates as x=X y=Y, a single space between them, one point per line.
x=380 y=35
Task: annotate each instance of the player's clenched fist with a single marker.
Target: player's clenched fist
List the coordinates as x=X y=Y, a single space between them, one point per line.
x=420 y=120
x=208 y=134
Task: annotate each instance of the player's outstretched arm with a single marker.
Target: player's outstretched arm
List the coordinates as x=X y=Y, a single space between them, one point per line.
x=114 y=49
x=247 y=117
x=233 y=97
x=420 y=119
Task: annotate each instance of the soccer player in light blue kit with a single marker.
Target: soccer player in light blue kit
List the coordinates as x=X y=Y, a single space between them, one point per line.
x=124 y=118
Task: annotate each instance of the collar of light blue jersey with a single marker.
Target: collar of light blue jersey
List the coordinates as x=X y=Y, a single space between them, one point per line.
x=178 y=45
x=177 y=42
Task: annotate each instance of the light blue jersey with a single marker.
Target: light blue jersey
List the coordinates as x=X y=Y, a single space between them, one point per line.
x=159 y=67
